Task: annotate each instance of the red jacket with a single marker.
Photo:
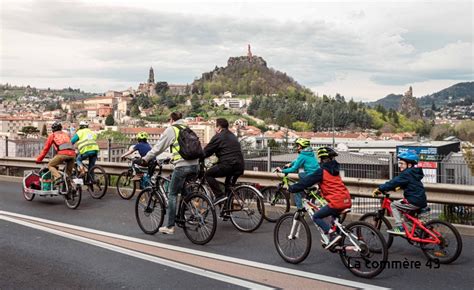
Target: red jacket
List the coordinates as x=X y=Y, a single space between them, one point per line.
x=62 y=144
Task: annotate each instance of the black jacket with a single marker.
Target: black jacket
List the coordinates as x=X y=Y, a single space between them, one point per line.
x=227 y=148
x=410 y=181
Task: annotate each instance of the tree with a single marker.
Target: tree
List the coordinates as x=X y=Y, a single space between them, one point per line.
x=134 y=111
x=44 y=131
x=161 y=88
x=272 y=143
x=112 y=135
x=109 y=121
x=29 y=130
x=301 y=126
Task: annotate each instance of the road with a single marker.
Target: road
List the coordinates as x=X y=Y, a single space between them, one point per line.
x=45 y=245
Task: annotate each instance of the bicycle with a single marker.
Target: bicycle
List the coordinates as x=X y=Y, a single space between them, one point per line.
x=196 y=214
x=243 y=204
x=126 y=187
x=34 y=183
x=96 y=180
x=362 y=248
x=430 y=236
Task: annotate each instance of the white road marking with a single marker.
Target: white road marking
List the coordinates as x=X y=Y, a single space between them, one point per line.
x=206 y=254
x=150 y=258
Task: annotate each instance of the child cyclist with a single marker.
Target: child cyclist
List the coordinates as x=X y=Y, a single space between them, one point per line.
x=414 y=192
x=142 y=147
x=305 y=160
x=333 y=191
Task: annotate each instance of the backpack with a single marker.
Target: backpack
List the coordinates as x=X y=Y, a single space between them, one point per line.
x=189 y=144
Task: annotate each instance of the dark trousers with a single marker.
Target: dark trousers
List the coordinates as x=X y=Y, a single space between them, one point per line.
x=231 y=172
x=325 y=211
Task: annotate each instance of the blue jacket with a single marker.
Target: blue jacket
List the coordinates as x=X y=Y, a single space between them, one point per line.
x=410 y=181
x=306 y=159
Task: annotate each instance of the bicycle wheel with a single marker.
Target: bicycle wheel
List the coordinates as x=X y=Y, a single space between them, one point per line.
x=126 y=187
x=199 y=218
x=27 y=195
x=293 y=249
x=372 y=257
x=73 y=199
x=98 y=182
x=451 y=243
x=381 y=224
x=149 y=211
x=277 y=202
x=247 y=208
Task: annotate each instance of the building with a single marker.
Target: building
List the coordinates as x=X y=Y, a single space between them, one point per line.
x=154 y=133
x=455 y=170
x=204 y=130
x=113 y=94
x=179 y=90
x=105 y=111
x=11 y=124
x=231 y=103
x=21 y=147
x=116 y=150
x=148 y=88
x=99 y=101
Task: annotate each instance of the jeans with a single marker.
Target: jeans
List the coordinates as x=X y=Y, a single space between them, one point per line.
x=176 y=186
x=298 y=199
x=398 y=207
x=325 y=211
x=90 y=155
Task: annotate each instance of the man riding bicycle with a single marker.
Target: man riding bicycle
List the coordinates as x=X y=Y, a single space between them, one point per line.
x=87 y=145
x=230 y=165
x=65 y=151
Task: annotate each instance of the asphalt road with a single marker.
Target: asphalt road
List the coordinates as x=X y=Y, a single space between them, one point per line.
x=31 y=258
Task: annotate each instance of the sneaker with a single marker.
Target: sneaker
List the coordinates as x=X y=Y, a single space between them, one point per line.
x=400 y=231
x=166 y=230
x=137 y=177
x=333 y=239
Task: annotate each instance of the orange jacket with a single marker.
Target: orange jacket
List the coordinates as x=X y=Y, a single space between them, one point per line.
x=62 y=144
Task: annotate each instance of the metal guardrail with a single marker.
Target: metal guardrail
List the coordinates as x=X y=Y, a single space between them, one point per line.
x=436 y=193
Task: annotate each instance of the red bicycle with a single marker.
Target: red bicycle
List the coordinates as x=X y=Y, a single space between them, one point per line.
x=439 y=240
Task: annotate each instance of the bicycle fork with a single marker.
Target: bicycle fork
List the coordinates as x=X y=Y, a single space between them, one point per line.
x=295 y=227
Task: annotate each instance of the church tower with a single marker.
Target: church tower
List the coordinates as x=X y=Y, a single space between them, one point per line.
x=151 y=76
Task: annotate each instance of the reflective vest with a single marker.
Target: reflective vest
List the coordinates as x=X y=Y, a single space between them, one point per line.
x=175 y=147
x=62 y=141
x=86 y=141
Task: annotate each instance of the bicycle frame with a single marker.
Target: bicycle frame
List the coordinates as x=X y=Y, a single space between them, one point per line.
x=410 y=234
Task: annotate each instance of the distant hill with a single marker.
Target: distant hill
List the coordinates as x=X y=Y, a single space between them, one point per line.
x=461 y=93
x=391 y=101
x=245 y=75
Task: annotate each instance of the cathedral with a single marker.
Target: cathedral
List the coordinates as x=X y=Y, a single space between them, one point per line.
x=148 y=88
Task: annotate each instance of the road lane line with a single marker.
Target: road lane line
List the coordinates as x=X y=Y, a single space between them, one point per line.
x=300 y=273
x=164 y=262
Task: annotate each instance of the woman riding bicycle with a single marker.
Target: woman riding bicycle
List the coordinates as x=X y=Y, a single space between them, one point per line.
x=305 y=160
x=332 y=189
x=414 y=192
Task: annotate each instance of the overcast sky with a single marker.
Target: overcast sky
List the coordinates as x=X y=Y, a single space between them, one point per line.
x=363 y=50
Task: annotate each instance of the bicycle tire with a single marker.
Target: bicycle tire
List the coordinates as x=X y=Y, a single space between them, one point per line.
x=374 y=267
x=373 y=219
x=276 y=201
x=74 y=200
x=126 y=187
x=445 y=240
x=149 y=209
x=28 y=196
x=98 y=182
x=251 y=213
x=199 y=218
x=281 y=238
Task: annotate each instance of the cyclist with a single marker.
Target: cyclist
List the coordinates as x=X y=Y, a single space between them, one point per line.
x=183 y=168
x=305 y=160
x=65 y=151
x=414 y=192
x=332 y=189
x=227 y=148
x=142 y=147
x=87 y=145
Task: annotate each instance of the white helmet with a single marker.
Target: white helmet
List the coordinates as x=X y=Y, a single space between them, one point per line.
x=83 y=124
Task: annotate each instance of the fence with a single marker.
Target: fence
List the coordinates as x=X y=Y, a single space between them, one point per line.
x=451 y=169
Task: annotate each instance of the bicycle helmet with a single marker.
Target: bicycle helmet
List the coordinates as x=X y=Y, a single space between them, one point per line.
x=142 y=136
x=326 y=152
x=83 y=124
x=408 y=157
x=303 y=142
x=56 y=126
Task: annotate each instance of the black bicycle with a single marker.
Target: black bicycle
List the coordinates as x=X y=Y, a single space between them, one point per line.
x=243 y=204
x=196 y=213
x=96 y=180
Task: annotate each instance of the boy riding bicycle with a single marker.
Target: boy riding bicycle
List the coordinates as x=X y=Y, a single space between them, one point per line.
x=414 y=192
x=142 y=147
x=305 y=160
x=333 y=191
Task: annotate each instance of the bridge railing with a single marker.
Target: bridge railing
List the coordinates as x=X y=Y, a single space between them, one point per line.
x=448 y=201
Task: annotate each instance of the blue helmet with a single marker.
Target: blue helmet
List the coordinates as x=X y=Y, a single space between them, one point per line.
x=409 y=157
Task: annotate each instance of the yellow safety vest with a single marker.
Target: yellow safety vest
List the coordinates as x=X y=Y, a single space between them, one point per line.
x=175 y=147
x=86 y=141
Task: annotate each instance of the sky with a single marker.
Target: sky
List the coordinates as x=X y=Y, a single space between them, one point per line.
x=363 y=50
